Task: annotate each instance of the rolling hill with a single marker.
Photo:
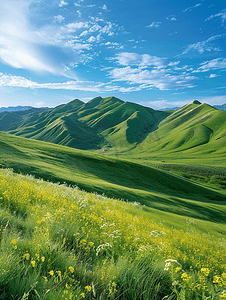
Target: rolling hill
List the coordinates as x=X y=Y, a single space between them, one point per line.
x=17 y=115
x=112 y=126
x=113 y=177
x=194 y=129
x=99 y=124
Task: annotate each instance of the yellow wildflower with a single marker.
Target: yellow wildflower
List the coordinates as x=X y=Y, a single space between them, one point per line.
x=42 y=258
x=205 y=271
x=26 y=256
x=33 y=263
x=83 y=295
x=88 y=288
x=71 y=269
x=51 y=272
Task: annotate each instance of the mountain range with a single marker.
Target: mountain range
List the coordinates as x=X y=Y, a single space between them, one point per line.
x=110 y=125
x=98 y=124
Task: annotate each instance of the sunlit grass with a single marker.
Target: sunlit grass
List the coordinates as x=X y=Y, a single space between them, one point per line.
x=59 y=242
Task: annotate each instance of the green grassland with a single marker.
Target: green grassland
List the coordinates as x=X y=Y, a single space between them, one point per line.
x=58 y=242
x=159 y=192
x=170 y=165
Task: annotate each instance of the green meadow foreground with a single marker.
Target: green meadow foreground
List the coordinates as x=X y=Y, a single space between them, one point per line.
x=59 y=242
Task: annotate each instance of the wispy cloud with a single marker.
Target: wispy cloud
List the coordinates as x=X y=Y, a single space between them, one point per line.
x=221 y=15
x=75 y=85
x=160 y=79
x=192 y=7
x=47 y=47
x=58 y=18
x=104 y=7
x=203 y=46
x=214 y=64
x=143 y=61
x=171 y=18
x=20 y=44
x=150 y=71
x=154 y=24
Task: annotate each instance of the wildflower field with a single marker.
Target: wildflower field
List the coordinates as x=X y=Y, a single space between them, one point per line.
x=58 y=242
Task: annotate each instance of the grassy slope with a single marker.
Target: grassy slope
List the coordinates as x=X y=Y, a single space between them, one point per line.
x=157 y=190
x=195 y=129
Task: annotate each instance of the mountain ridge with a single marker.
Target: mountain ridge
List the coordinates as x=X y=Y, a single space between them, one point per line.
x=113 y=126
x=101 y=123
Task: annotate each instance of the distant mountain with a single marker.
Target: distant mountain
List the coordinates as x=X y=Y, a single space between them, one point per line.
x=221 y=107
x=102 y=123
x=8 y=118
x=14 y=108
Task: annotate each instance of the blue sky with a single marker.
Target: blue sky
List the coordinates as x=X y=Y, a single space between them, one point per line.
x=157 y=53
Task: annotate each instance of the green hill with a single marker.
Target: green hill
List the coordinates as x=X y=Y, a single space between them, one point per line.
x=194 y=129
x=113 y=177
x=112 y=126
x=9 y=118
x=99 y=124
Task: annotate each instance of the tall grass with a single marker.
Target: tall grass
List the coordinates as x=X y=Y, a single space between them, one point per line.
x=58 y=242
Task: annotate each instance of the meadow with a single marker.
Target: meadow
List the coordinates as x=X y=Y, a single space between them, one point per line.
x=59 y=242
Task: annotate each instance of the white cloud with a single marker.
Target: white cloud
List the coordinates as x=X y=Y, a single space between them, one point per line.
x=94 y=28
x=58 y=18
x=222 y=15
x=93 y=39
x=20 y=45
x=159 y=78
x=154 y=24
x=191 y=7
x=143 y=61
x=73 y=27
x=104 y=7
x=203 y=46
x=88 y=86
x=150 y=71
x=214 y=64
x=115 y=45
x=62 y=3
x=213 y=76
x=171 y=18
